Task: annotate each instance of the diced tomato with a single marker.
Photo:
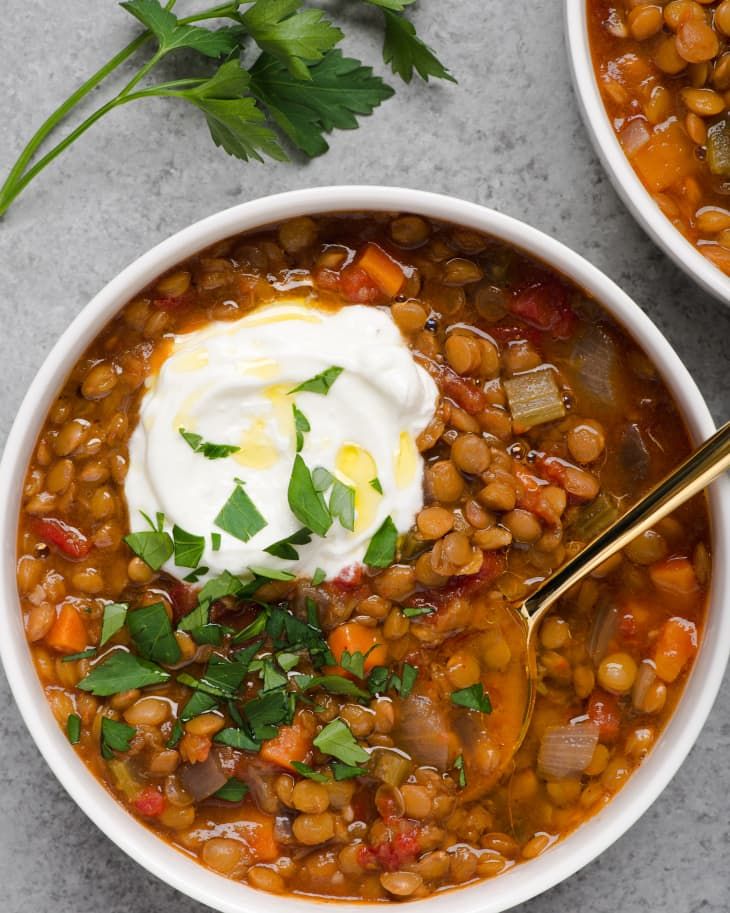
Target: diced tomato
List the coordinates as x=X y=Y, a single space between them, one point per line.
x=327 y=279
x=545 y=306
x=170 y=304
x=464 y=393
x=505 y=333
x=150 y=802
x=183 y=598
x=358 y=287
x=603 y=710
x=531 y=497
x=401 y=849
x=493 y=565
x=349 y=577
x=71 y=542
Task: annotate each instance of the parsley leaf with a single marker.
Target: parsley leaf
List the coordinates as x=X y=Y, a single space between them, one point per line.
x=170 y=34
x=272 y=678
x=236 y=738
x=225 y=584
x=239 y=515
x=195 y=575
x=306 y=771
x=339 y=89
x=342 y=504
x=215 y=541
x=375 y=483
x=151 y=631
x=232 y=791
x=113 y=620
x=209 y=451
x=84 y=654
x=154 y=547
x=196 y=619
x=73 y=728
x=198 y=703
x=474 y=698
x=318 y=577
x=301 y=425
x=122 y=671
x=115 y=736
x=284 y=548
x=405 y=52
x=267 y=712
x=306 y=503
x=347 y=771
x=397 y=5
x=337 y=740
x=459 y=765
x=322 y=478
x=189 y=548
x=222 y=677
x=271 y=573
x=321 y=383
x=335 y=684
x=235 y=122
x=294 y=37
x=381 y=551
x=415 y=611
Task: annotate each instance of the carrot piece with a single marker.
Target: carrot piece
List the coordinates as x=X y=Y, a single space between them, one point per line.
x=666 y=158
x=675 y=646
x=257 y=831
x=291 y=743
x=356 y=638
x=68 y=634
x=382 y=269
x=675 y=575
x=603 y=710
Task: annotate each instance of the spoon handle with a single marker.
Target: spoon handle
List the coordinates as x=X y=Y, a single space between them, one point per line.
x=683 y=483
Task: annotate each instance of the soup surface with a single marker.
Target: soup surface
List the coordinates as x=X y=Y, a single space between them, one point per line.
x=664 y=73
x=346 y=731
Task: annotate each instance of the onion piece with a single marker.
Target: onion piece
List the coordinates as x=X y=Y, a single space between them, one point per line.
x=634 y=136
x=203 y=779
x=566 y=751
x=423 y=732
x=645 y=678
x=604 y=631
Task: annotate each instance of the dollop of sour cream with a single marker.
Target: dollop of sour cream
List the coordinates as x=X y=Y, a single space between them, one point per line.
x=232 y=383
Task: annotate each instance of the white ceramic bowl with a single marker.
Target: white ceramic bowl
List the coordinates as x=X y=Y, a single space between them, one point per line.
x=623 y=177
x=526 y=880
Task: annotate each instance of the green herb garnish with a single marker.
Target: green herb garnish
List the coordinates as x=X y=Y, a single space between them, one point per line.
x=236 y=738
x=73 y=728
x=195 y=575
x=267 y=712
x=189 y=548
x=115 y=736
x=318 y=577
x=208 y=450
x=232 y=791
x=152 y=633
x=321 y=383
x=301 y=426
x=122 y=671
x=84 y=654
x=271 y=573
x=239 y=515
x=375 y=483
x=342 y=504
x=215 y=541
x=459 y=765
x=321 y=478
x=337 y=740
x=112 y=620
x=309 y=772
x=306 y=503
x=473 y=698
x=284 y=548
x=381 y=551
x=415 y=611
x=153 y=546
x=335 y=684
x=347 y=771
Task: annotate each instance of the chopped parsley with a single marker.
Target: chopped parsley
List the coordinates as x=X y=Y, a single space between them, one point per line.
x=153 y=546
x=321 y=478
x=337 y=740
x=306 y=503
x=112 y=620
x=215 y=541
x=122 y=671
x=306 y=771
x=115 y=736
x=375 y=483
x=284 y=548
x=459 y=765
x=415 y=611
x=473 y=698
x=232 y=791
x=84 y=654
x=208 y=450
x=239 y=515
x=347 y=771
x=236 y=738
x=189 y=548
x=152 y=634
x=73 y=728
x=320 y=383
x=342 y=504
x=319 y=577
x=381 y=551
x=301 y=426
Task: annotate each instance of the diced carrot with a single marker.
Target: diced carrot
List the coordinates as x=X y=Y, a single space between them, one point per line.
x=194 y=748
x=291 y=743
x=382 y=269
x=356 y=638
x=675 y=575
x=257 y=831
x=675 y=646
x=666 y=158
x=68 y=634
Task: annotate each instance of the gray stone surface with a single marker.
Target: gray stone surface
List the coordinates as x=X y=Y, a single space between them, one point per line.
x=508 y=136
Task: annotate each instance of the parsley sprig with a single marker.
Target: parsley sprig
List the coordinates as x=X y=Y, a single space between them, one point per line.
x=300 y=87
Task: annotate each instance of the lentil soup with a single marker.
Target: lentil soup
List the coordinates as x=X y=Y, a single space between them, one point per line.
x=343 y=735
x=663 y=70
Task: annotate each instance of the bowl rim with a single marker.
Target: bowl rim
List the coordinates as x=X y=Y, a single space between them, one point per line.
x=174 y=867
x=625 y=181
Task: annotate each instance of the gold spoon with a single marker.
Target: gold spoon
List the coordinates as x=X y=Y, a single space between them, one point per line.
x=688 y=480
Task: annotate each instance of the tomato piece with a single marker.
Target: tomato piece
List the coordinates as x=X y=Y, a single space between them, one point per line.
x=463 y=392
x=183 y=598
x=357 y=286
x=71 y=542
x=603 y=710
x=170 y=303
x=349 y=578
x=150 y=802
x=545 y=306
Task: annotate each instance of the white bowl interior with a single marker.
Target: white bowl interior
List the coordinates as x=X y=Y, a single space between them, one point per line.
x=623 y=177
x=172 y=866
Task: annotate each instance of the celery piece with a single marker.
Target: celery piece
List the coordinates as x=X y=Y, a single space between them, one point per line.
x=593 y=518
x=390 y=767
x=718 y=148
x=534 y=398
